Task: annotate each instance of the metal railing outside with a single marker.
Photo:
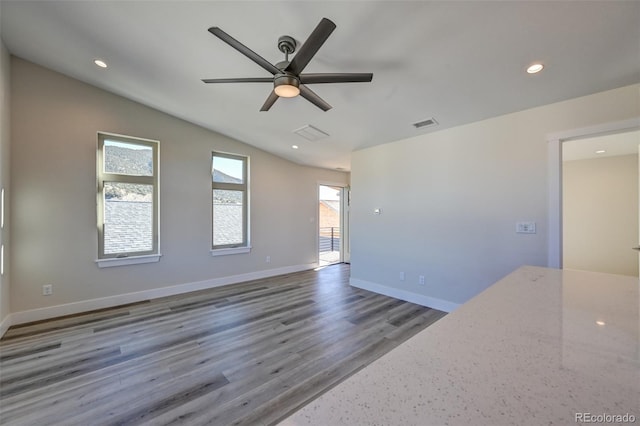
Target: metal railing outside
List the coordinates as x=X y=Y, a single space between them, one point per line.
x=329 y=239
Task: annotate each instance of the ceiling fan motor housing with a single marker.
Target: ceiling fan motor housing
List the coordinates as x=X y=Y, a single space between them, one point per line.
x=282 y=65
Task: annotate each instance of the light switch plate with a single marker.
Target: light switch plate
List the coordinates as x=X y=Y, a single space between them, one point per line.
x=526 y=227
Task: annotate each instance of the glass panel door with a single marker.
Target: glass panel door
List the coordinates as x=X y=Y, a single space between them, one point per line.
x=329 y=225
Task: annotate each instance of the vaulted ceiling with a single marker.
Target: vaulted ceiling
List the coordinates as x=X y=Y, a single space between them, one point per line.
x=457 y=61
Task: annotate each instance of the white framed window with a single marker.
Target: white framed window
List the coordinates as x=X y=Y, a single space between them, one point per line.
x=230 y=203
x=128 y=206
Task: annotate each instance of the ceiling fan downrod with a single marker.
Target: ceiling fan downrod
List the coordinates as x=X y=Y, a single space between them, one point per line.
x=287 y=45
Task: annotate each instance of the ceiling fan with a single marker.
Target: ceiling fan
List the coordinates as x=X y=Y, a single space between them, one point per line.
x=288 y=80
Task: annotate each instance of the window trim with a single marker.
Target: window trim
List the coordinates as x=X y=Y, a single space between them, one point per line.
x=244 y=246
x=127 y=258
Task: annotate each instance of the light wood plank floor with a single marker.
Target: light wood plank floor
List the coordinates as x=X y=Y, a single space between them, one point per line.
x=246 y=354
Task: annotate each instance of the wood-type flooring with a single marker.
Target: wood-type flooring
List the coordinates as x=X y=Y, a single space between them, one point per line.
x=244 y=354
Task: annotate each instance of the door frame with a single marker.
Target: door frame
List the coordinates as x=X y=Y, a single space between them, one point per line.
x=345 y=206
x=554 y=156
x=344 y=219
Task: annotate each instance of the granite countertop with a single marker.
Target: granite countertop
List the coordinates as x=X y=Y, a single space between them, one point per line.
x=541 y=346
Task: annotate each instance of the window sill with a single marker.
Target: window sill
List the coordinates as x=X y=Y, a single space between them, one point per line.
x=228 y=251
x=123 y=261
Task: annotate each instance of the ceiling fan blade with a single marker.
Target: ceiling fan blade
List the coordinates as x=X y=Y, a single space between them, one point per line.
x=244 y=50
x=310 y=95
x=336 y=78
x=239 y=80
x=270 y=101
x=317 y=38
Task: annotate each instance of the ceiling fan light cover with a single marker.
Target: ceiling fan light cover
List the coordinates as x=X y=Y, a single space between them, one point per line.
x=286 y=86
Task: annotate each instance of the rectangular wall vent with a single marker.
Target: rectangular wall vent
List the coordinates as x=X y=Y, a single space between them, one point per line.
x=311 y=133
x=425 y=123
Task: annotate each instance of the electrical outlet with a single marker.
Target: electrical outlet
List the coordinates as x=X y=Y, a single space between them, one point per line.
x=268 y=259
x=401 y=276
x=421 y=280
x=47 y=290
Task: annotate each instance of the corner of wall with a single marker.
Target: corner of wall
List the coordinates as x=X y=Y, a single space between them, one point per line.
x=5 y=134
x=407 y=296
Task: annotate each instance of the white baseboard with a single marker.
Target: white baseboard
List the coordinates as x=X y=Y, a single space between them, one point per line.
x=6 y=322
x=408 y=296
x=123 y=299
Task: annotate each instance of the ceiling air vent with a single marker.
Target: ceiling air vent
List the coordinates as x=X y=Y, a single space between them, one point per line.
x=311 y=133
x=425 y=123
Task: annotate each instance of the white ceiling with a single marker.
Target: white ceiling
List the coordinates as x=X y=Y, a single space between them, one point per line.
x=455 y=61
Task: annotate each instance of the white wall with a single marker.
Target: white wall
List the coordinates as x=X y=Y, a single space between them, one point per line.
x=600 y=214
x=450 y=200
x=5 y=133
x=54 y=123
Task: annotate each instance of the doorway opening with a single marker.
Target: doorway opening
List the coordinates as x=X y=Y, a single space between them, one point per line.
x=555 y=157
x=600 y=217
x=331 y=224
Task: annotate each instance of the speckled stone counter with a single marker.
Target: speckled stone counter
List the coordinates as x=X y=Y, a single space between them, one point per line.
x=541 y=346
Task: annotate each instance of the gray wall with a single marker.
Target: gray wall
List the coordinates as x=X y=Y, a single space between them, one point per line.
x=54 y=123
x=5 y=292
x=450 y=200
x=600 y=214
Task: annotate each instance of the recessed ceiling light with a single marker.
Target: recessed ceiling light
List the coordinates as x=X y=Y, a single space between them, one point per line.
x=601 y=323
x=600 y=151
x=294 y=146
x=535 y=68
x=100 y=63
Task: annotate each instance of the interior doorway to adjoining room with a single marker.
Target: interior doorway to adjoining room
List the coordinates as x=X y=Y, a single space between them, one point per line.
x=600 y=194
x=555 y=144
